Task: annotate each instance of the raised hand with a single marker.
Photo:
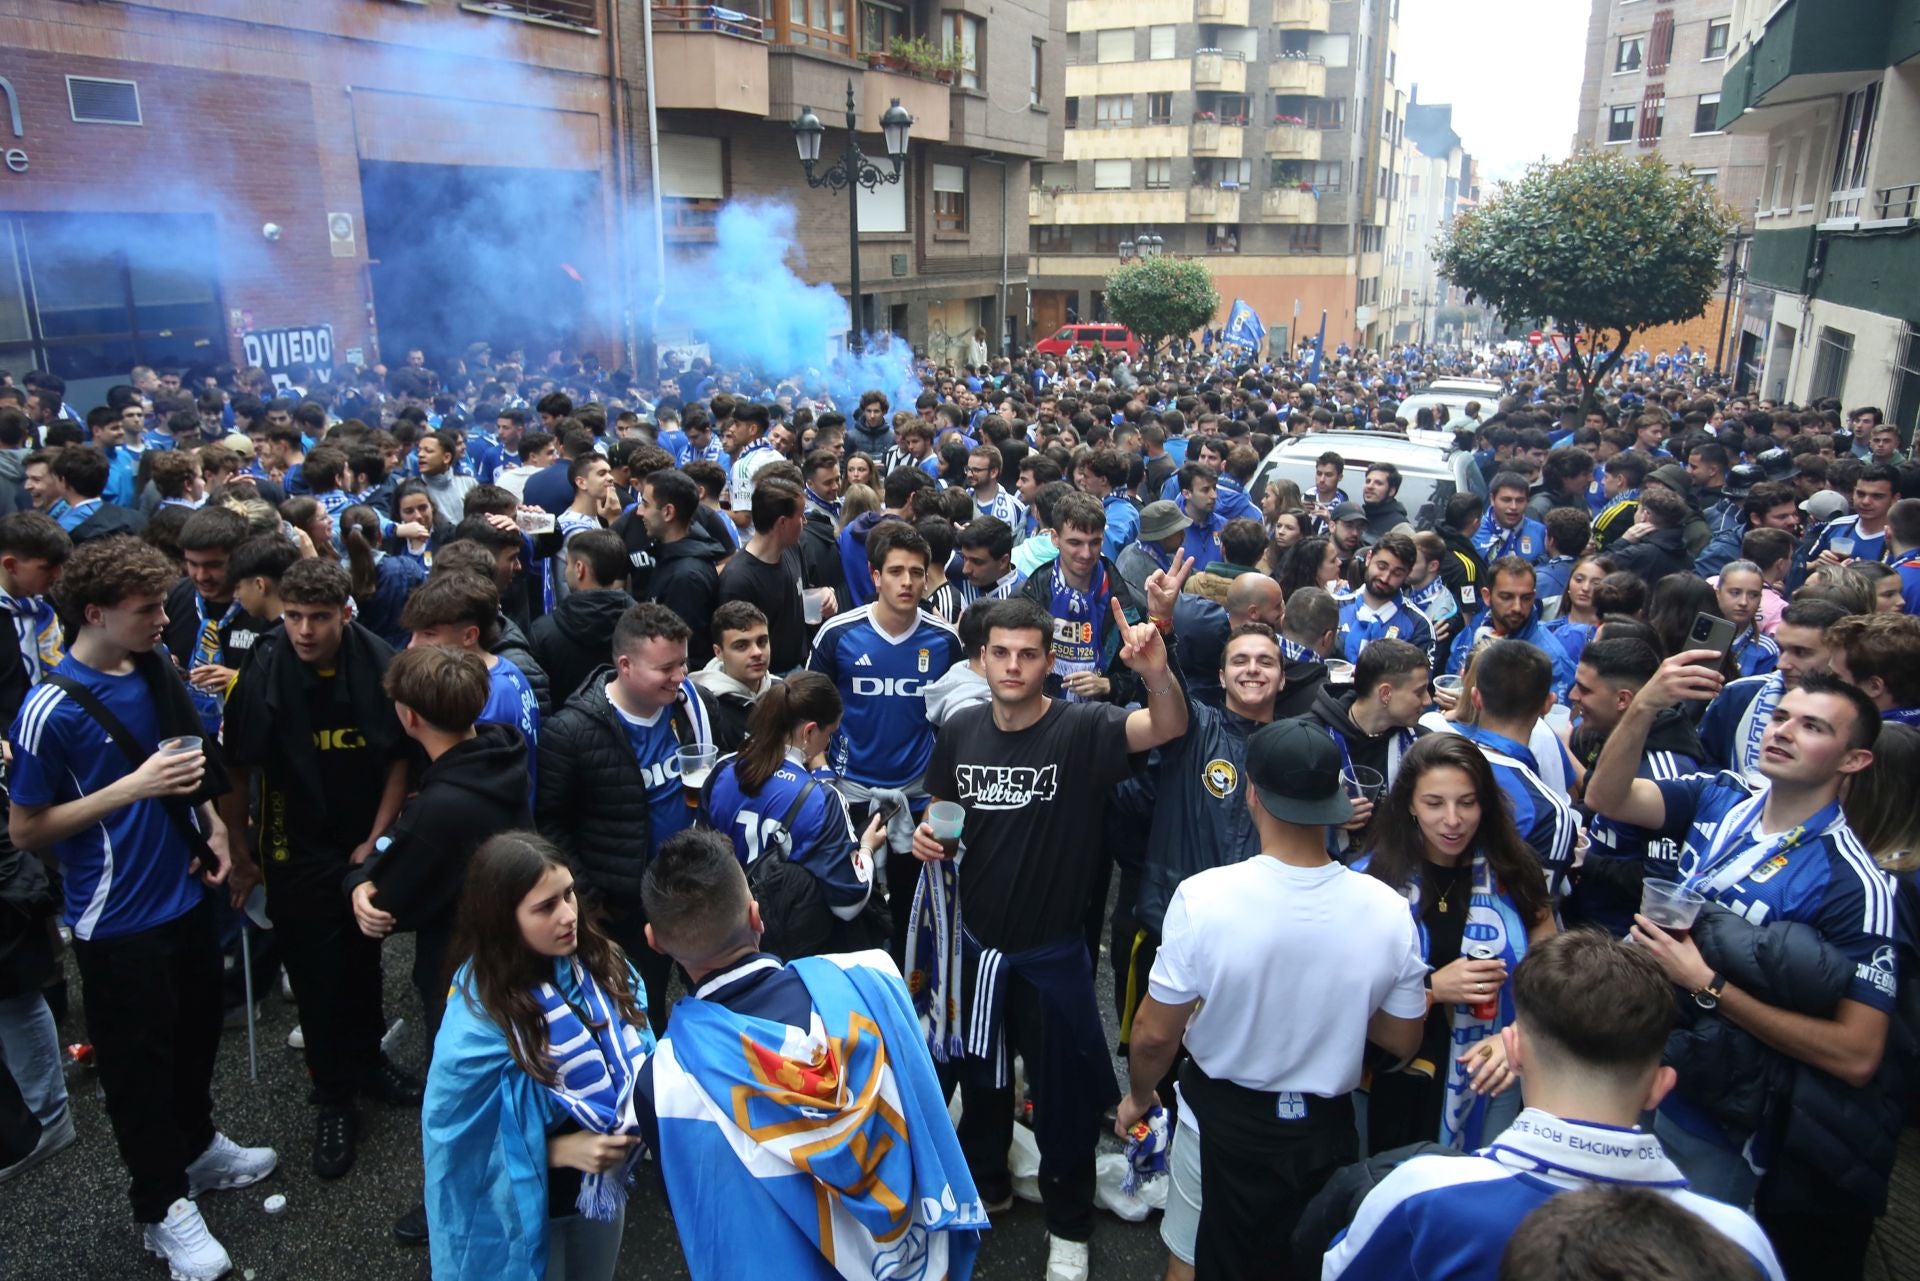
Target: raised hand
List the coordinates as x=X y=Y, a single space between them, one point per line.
x=1140 y=645
x=1164 y=585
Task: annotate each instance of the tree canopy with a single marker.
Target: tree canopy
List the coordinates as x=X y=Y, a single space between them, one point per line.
x=1599 y=242
x=1161 y=298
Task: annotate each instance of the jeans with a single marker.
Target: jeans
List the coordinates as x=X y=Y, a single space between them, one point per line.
x=30 y=1044
x=583 y=1249
x=152 y=1002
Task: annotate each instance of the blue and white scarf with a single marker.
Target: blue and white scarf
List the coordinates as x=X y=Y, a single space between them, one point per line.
x=1753 y=725
x=597 y=1057
x=1079 y=625
x=933 y=957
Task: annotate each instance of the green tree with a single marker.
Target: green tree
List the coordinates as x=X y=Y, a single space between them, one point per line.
x=1161 y=298
x=1598 y=243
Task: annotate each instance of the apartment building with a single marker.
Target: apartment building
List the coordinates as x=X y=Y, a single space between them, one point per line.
x=943 y=252
x=1829 y=93
x=1264 y=138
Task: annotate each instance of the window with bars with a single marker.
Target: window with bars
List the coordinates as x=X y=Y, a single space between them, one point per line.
x=1653 y=114
x=1833 y=352
x=1660 y=42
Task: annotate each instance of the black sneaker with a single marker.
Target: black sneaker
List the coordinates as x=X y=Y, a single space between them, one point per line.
x=333 y=1137
x=389 y=1084
x=411 y=1227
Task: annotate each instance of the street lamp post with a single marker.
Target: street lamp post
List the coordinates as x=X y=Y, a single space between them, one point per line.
x=1147 y=245
x=1734 y=275
x=852 y=171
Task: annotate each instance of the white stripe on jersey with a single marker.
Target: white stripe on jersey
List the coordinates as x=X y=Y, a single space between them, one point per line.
x=102 y=888
x=33 y=717
x=1875 y=885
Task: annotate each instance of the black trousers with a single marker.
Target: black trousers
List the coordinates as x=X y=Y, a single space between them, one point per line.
x=152 y=1003
x=1258 y=1170
x=335 y=972
x=430 y=977
x=630 y=932
x=986 y=1127
x=1819 y=1246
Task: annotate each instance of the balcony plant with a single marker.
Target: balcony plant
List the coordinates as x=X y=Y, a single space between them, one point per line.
x=1204 y=117
x=919 y=56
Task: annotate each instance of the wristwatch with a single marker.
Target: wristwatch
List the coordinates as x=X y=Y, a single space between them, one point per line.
x=1708 y=997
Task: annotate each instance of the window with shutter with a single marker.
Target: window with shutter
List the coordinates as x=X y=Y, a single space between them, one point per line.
x=1114 y=46
x=1159 y=42
x=1112 y=175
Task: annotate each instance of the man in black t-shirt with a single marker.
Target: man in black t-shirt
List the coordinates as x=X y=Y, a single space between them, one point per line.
x=308 y=716
x=767 y=572
x=1034 y=774
x=209 y=633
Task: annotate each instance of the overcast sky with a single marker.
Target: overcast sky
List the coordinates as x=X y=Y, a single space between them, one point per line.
x=1511 y=69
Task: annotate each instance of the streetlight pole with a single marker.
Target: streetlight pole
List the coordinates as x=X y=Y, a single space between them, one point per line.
x=1726 y=305
x=852 y=171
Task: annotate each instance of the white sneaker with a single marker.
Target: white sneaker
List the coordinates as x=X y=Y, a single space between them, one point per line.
x=296 y=1039
x=286 y=988
x=225 y=1165
x=183 y=1241
x=1066 y=1260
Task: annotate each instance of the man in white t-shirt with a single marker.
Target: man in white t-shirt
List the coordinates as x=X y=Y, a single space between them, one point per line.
x=1273 y=1063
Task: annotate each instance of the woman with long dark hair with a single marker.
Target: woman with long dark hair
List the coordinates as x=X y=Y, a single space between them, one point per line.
x=1444 y=838
x=1574 y=625
x=381 y=581
x=527 y=1118
x=776 y=798
x=412 y=505
x=1673 y=605
x=1311 y=562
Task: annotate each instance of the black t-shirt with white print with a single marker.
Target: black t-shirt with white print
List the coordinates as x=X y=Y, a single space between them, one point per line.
x=1034 y=800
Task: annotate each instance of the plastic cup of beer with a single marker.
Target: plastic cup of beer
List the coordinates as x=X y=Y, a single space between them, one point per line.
x=947 y=821
x=1670 y=905
x=813 y=604
x=1364 y=783
x=186 y=745
x=696 y=762
x=1840 y=545
x=1339 y=672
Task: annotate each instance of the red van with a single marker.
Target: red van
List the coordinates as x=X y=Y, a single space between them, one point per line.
x=1111 y=337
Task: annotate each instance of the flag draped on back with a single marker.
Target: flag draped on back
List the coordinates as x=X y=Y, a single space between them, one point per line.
x=820 y=1152
x=1243 y=327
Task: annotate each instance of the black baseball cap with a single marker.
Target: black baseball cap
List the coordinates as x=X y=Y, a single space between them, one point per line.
x=1295 y=771
x=1349 y=511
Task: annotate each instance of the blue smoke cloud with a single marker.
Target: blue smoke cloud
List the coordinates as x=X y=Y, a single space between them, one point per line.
x=747 y=302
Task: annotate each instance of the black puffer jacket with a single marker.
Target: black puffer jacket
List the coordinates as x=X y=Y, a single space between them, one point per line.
x=592 y=799
x=513 y=647
x=576 y=639
x=1725 y=1070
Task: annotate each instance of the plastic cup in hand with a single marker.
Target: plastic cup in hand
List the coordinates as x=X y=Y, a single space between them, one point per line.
x=947 y=821
x=1840 y=545
x=813 y=604
x=1339 y=672
x=696 y=762
x=183 y=746
x=1364 y=783
x=1670 y=905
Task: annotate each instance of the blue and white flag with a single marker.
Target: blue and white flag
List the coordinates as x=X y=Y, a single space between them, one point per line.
x=1243 y=327
x=828 y=1148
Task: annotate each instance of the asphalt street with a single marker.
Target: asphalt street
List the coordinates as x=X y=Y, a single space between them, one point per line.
x=68 y=1220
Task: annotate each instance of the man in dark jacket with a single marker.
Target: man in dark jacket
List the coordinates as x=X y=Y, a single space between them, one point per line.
x=684 y=578
x=1463 y=569
x=1380 y=500
x=575 y=639
x=1695 y=530
x=610 y=786
x=1201 y=628
x=474 y=788
x=1307 y=636
x=1375 y=720
x=514 y=646
x=1656 y=544
x=1563 y=483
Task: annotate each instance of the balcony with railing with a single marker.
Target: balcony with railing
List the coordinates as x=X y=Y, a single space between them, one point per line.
x=1304 y=74
x=1215 y=137
x=707 y=58
x=1222 y=13
x=1220 y=71
x=1288 y=204
x=1213 y=204
x=1302 y=15
x=1292 y=140
x=1898 y=203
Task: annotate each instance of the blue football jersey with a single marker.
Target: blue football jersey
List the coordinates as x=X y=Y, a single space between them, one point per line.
x=885 y=739
x=821 y=837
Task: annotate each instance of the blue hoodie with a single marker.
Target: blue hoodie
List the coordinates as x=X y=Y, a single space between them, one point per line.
x=853 y=557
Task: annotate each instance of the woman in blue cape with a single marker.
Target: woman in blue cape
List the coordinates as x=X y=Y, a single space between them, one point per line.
x=1445 y=839
x=528 y=1126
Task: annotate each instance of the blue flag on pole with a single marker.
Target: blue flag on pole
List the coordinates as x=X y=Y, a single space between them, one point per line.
x=1319 y=347
x=1243 y=327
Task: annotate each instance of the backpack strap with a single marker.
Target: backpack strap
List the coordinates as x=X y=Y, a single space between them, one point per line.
x=173 y=806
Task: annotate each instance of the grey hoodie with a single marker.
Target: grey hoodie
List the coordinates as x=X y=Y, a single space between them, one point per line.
x=731 y=701
x=960 y=687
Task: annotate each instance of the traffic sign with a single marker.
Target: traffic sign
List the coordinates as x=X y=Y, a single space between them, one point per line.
x=1536 y=338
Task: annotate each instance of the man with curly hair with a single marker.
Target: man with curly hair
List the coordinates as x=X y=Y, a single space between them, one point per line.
x=110 y=775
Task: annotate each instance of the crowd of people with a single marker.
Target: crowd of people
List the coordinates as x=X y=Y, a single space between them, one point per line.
x=1524 y=877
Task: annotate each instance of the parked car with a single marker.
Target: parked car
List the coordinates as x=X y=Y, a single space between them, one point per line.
x=1429 y=473
x=1111 y=337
